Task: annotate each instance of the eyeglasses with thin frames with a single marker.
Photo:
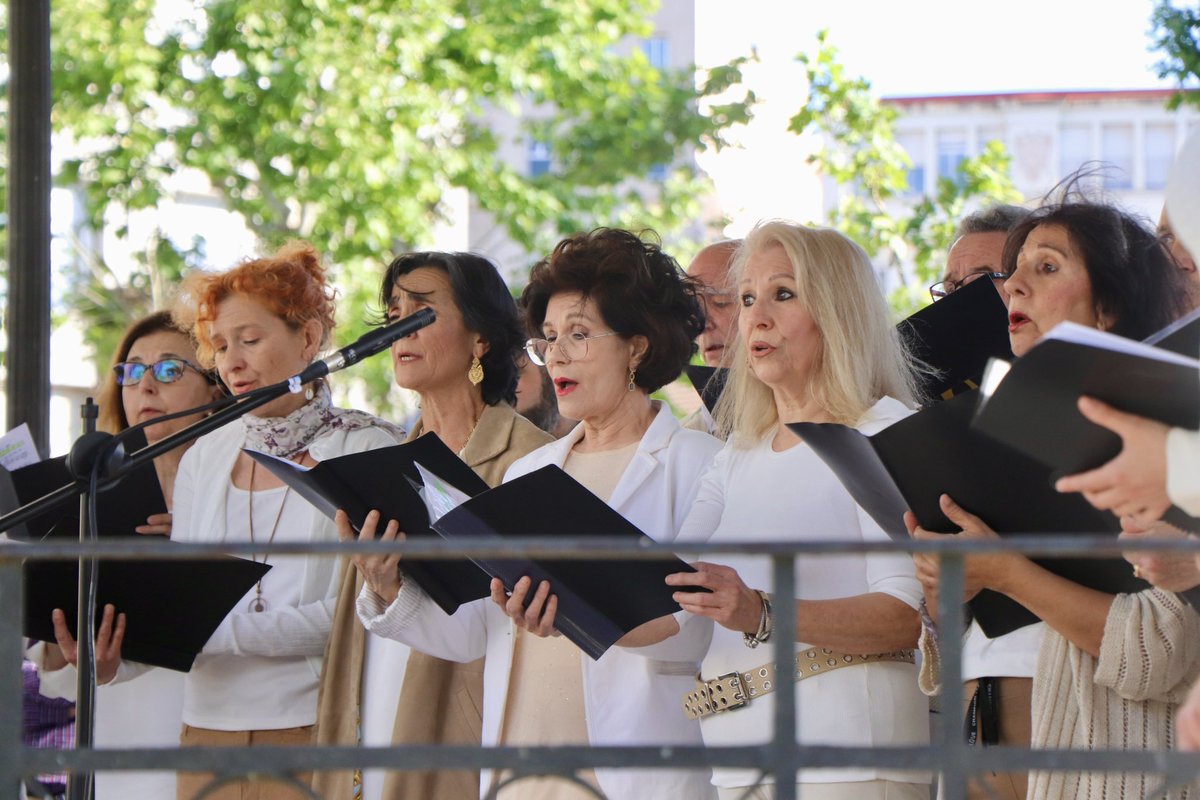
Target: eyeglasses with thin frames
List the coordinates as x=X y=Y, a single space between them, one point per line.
x=168 y=370
x=573 y=346
x=943 y=288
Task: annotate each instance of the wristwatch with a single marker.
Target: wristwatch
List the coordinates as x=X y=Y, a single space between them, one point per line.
x=766 y=623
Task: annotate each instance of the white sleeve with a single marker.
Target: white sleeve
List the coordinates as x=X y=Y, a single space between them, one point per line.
x=1183 y=469
x=708 y=504
x=276 y=633
x=889 y=573
x=414 y=619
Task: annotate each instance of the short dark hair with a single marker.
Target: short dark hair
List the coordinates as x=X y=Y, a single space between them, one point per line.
x=638 y=289
x=1133 y=277
x=487 y=308
x=1000 y=218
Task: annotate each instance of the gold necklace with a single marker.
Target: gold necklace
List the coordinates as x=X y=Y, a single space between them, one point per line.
x=258 y=604
x=470 y=433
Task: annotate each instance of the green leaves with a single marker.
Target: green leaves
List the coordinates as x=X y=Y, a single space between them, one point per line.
x=348 y=122
x=1176 y=32
x=908 y=236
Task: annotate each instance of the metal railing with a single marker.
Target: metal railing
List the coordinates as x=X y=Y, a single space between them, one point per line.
x=948 y=755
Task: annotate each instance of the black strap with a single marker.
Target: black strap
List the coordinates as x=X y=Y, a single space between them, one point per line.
x=982 y=725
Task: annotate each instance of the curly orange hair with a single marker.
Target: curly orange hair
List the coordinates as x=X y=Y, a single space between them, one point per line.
x=291 y=283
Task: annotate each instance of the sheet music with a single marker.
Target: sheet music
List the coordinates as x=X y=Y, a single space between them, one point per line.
x=17 y=448
x=440 y=497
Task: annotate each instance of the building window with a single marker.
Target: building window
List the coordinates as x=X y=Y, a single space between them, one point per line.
x=1158 y=153
x=1116 y=151
x=539 y=158
x=657 y=51
x=914 y=145
x=951 y=151
x=1074 y=148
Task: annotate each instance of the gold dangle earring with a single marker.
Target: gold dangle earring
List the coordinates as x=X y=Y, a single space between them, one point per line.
x=632 y=377
x=475 y=373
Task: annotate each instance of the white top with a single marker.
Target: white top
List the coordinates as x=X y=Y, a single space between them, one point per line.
x=226 y=692
x=1183 y=469
x=1013 y=655
x=144 y=712
x=294 y=632
x=632 y=696
x=757 y=494
x=384 y=664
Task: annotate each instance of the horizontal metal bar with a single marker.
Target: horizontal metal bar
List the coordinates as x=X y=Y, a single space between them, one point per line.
x=591 y=547
x=282 y=759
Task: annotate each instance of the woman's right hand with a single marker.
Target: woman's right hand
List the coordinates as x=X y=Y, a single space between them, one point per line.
x=1174 y=572
x=380 y=572
x=108 y=642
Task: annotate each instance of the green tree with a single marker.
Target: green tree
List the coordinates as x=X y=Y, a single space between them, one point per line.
x=870 y=168
x=1175 y=32
x=348 y=122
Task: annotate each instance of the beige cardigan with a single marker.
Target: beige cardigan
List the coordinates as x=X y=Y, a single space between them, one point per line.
x=1123 y=700
x=439 y=700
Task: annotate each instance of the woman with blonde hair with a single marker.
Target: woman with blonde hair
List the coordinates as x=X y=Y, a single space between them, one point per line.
x=814 y=344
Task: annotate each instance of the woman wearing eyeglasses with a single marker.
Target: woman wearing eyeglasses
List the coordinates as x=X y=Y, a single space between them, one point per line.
x=255 y=682
x=1110 y=669
x=154 y=373
x=614 y=319
x=463 y=368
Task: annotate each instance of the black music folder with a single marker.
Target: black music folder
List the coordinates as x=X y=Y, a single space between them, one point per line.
x=956 y=336
x=911 y=463
x=1182 y=336
x=384 y=479
x=171 y=607
x=599 y=600
x=119 y=508
x=1031 y=405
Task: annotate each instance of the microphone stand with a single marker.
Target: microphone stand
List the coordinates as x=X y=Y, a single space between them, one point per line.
x=98 y=460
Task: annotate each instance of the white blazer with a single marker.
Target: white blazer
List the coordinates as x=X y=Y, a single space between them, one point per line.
x=630 y=699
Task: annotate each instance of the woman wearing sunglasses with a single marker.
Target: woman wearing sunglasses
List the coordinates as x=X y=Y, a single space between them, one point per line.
x=154 y=373
x=255 y=682
x=615 y=319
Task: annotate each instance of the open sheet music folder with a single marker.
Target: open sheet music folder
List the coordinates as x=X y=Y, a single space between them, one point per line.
x=599 y=600
x=384 y=479
x=1031 y=405
x=909 y=464
x=171 y=607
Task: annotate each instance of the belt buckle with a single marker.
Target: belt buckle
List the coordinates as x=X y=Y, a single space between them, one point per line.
x=739 y=698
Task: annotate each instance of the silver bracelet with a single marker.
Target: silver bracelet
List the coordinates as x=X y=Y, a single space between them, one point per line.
x=766 y=623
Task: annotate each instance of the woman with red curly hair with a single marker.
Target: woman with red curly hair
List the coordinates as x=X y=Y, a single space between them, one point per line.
x=255 y=682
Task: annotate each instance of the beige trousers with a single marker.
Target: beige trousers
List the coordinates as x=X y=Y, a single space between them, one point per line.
x=190 y=784
x=854 y=790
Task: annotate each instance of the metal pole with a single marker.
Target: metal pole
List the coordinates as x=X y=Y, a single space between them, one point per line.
x=81 y=786
x=28 y=313
x=11 y=697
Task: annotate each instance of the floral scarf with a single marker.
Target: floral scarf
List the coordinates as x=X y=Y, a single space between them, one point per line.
x=286 y=437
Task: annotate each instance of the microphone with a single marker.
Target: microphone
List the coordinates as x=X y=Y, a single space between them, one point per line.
x=366 y=345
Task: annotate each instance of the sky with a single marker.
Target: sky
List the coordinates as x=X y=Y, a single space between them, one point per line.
x=947 y=46
x=903 y=47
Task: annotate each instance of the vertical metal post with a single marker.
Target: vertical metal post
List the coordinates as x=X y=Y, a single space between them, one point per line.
x=788 y=754
x=956 y=756
x=11 y=681
x=82 y=785
x=28 y=317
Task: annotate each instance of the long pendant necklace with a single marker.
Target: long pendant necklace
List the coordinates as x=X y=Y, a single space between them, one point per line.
x=258 y=603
